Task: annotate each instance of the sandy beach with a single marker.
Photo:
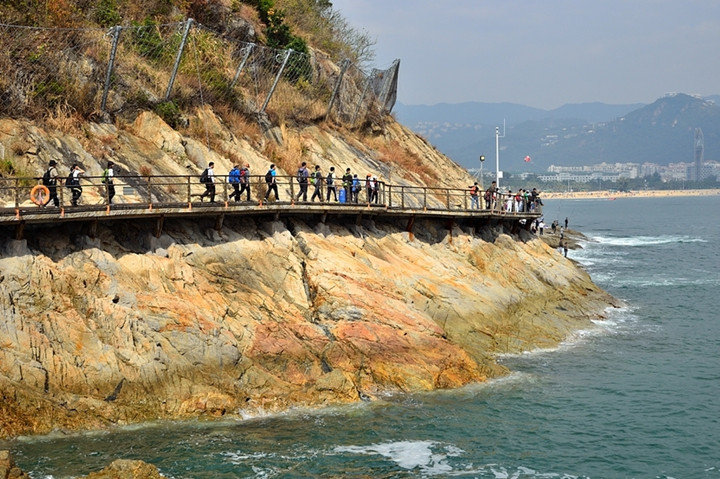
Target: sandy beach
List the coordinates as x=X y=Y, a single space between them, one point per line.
x=611 y=195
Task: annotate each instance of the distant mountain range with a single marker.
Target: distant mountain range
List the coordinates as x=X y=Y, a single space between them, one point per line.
x=572 y=135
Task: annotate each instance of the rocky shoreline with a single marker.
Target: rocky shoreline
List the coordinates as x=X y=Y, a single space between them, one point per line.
x=122 y=329
x=119 y=469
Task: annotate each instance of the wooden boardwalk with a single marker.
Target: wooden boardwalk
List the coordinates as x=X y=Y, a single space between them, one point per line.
x=158 y=198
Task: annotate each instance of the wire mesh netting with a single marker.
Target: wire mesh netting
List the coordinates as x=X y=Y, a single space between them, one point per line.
x=94 y=70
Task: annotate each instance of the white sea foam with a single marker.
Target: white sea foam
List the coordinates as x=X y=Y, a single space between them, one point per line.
x=428 y=457
x=645 y=240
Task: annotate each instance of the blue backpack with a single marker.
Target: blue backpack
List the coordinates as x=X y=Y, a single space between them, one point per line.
x=234 y=176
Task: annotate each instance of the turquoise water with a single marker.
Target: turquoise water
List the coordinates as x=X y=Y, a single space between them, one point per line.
x=635 y=398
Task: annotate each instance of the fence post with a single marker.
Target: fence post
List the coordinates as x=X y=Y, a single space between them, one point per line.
x=248 y=49
x=188 y=24
x=345 y=65
x=448 y=198
x=277 y=79
x=149 y=188
x=111 y=65
x=424 y=198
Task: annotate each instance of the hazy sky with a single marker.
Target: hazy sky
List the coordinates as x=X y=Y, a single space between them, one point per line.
x=543 y=53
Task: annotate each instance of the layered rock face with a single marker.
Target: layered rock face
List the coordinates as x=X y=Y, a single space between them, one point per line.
x=113 y=325
x=264 y=316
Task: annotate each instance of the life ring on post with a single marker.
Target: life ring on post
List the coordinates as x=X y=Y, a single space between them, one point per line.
x=39 y=194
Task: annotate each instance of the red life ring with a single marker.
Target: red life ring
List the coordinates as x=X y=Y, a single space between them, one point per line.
x=39 y=194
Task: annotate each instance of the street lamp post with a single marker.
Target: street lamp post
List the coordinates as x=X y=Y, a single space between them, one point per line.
x=498 y=173
x=482 y=160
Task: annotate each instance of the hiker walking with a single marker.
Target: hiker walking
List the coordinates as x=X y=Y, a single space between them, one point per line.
x=208 y=178
x=234 y=180
x=302 y=177
x=474 y=192
x=330 y=182
x=245 y=181
x=347 y=180
x=73 y=182
x=270 y=179
x=355 y=188
x=50 y=180
x=490 y=195
x=108 y=177
x=317 y=180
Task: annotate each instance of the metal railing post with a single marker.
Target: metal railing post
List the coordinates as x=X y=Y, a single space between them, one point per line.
x=188 y=24
x=149 y=188
x=248 y=49
x=111 y=65
x=277 y=79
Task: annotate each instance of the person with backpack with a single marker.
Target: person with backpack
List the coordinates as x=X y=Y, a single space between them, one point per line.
x=355 y=188
x=318 y=182
x=49 y=179
x=245 y=181
x=208 y=178
x=374 y=188
x=73 y=182
x=302 y=178
x=234 y=180
x=108 y=178
x=330 y=182
x=270 y=179
x=474 y=191
x=347 y=180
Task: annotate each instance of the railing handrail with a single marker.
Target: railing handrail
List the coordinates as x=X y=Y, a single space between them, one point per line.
x=164 y=189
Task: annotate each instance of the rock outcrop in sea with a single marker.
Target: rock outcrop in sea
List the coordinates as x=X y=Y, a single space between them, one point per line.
x=120 y=326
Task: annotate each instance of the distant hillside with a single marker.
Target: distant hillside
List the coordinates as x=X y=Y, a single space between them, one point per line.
x=573 y=134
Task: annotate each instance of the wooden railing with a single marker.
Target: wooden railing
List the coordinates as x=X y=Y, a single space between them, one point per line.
x=179 y=190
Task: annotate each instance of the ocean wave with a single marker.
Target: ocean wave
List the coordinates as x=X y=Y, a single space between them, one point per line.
x=429 y=457
x=632 y=241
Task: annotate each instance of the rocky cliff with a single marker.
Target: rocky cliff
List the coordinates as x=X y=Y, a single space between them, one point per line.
x=119 y=326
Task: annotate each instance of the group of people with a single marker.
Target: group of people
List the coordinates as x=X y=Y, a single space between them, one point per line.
x=348 y=193
x=521 y=201
x=50 y=181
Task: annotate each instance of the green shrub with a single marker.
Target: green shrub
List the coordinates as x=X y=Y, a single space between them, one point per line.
x=107 y=14
x=170 y=113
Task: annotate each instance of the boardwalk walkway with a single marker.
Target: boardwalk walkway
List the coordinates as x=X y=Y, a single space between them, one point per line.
x=160 y=197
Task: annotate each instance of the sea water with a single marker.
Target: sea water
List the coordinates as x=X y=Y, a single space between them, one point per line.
x=637 y=396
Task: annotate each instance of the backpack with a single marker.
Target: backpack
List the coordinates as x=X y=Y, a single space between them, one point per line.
x=204 y=177
x=47 y=180
x=487 y=195
x=104 y=178
x=329 y=179
x=301 y=175
x=234 y=176
x=268 y=177
x=244 y=176
x=70 y=182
